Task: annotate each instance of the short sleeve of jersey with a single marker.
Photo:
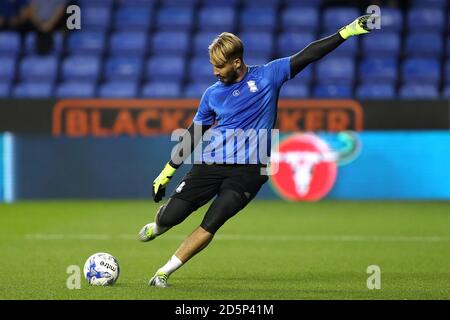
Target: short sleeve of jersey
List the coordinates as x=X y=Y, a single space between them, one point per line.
x=279 y=70
x=205 y=115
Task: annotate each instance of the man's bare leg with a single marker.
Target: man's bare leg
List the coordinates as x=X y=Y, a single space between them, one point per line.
x=193 y=244
x=196 y=242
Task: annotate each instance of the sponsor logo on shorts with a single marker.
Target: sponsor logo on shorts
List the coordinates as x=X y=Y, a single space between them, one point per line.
x=180 y=187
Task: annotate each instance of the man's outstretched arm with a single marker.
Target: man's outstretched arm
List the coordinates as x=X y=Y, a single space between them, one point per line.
x=318 y=49
x=187 y=144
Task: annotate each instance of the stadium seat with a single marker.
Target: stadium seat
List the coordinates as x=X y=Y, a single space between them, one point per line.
x=419 y=91
x=120 y=68
x=166 y=68
x=160 y=89
x=137 y=3
x=128 y=43
x=118 y=89
x=378 y=70
x=180 y=3
x=5 y=89
x=37 y=68
x=333 y=70
x=196 y=89
x=257 y=43
x=201 y=70
x=294 y=90
x=170 y=42
x=86 y=42
x=336 y=17
x=391 y=19
x=429 y=3
x=173 y=18
x=266 y=4
x=81 y=68
x=381 y=44
x=421 y=70
x=290 y=43
x=257 y=19
x=426 y=19
x=7 y=68
x=446 y=92
x=30 y=43
x=103 y=3
x=312 y=3
x=133 y=18
x=202 y=40
x=96 y=18
x=375 y=91
x=9 y=43
x=33 y=90
x=447 y=71
x=217 y=19
x=220 y=3
x=73 y=89
x=332 y=91
x=424 y=44
x=256 y=59
x=447 y=39
x=300 y=18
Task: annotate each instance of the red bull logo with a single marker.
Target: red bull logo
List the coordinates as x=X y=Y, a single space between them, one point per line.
x=307 y=166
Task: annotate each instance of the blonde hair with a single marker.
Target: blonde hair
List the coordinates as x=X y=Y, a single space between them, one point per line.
x=225 y=47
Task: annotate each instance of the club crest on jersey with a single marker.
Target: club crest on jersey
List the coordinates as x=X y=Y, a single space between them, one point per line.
x=252 y=86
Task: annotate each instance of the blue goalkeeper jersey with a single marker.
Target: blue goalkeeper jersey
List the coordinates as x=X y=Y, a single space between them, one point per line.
x=245 y=114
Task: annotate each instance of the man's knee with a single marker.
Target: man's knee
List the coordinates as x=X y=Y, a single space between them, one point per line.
x=223 y=208
x=160 y=215
x=174 y=212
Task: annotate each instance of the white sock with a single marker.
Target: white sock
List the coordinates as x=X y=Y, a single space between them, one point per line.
x=160 y=230
x=173 y=264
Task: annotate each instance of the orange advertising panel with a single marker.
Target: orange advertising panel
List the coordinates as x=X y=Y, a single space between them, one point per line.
x=115 y=117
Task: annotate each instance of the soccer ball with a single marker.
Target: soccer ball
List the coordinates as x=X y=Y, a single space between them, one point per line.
x=101 y=269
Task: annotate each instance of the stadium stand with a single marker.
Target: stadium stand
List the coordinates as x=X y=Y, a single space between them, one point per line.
x=74 y=89
x=159 y=89
x=158 y=48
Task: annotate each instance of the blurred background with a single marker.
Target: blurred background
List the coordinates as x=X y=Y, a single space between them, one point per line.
x=158 y=48
x=390 y=88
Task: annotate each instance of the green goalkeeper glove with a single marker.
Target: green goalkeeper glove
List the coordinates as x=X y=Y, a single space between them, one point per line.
x=159 y=184
x=357 y=27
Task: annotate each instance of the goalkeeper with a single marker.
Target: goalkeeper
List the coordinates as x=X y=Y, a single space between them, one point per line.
x=245 y=97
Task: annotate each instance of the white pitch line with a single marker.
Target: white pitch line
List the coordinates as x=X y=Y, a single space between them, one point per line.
x=249 y=237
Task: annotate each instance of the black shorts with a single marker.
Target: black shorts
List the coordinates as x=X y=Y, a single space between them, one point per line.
x=204 y=181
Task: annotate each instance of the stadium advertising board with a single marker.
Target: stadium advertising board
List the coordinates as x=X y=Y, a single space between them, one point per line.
x=108 y=118
x=307 y=163
x=2 y=169
x=389 y=165
x=149 y=117
x=106 y=148
x=6 y=167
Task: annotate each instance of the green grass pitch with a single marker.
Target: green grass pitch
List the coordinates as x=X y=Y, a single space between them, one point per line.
x=271 y=250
